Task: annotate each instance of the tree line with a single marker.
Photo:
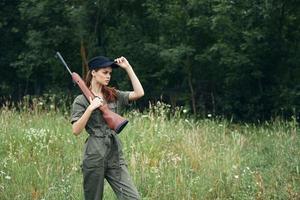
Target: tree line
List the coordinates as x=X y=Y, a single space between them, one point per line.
x=228 y=58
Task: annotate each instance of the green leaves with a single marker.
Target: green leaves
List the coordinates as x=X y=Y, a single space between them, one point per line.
x=222 y=57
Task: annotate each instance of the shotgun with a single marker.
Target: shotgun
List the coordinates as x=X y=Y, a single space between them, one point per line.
x=113 y=120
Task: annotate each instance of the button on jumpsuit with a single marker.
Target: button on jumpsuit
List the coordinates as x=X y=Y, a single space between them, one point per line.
x=102 y=156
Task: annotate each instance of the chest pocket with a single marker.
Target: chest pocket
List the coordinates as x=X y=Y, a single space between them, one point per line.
x=96 y=118
x=112 y=107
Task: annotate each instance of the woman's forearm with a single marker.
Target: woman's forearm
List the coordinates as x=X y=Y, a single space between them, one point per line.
x=138 y=90
x=79 y=125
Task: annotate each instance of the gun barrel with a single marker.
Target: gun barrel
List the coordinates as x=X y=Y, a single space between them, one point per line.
x=63 y=61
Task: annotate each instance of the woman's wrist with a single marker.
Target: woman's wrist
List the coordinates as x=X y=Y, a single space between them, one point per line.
x=90 y=108
x=128 y=68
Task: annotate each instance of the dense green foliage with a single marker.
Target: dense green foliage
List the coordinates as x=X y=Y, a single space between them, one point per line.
x=206 y=159
x=225 y=57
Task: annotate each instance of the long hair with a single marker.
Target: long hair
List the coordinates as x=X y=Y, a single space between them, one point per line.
x=109 y=93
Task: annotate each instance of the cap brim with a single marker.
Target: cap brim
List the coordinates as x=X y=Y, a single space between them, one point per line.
x=114 y=65
x=110 y=64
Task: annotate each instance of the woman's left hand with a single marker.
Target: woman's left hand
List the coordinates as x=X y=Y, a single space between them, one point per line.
x=122 y=62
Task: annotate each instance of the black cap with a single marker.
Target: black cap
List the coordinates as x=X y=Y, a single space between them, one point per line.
x=101 y=62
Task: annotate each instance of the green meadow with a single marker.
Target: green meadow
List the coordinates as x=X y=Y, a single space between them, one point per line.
x=169 y=154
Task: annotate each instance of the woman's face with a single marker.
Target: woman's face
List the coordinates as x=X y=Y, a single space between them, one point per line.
x=103 y=75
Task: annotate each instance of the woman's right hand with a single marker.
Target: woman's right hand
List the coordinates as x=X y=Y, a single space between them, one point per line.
x=95 y=103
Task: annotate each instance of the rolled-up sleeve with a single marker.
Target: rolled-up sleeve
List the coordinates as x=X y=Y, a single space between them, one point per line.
x=123 y=98
x=78 y=109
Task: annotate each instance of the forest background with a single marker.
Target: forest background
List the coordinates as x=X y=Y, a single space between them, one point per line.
x=235 y=59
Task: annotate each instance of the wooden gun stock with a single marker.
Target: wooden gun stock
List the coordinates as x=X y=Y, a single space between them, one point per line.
x=113 y=120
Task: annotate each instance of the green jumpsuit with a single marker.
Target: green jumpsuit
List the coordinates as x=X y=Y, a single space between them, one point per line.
x=102 y=156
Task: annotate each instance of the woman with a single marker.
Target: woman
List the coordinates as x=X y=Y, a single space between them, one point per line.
x=103 y=157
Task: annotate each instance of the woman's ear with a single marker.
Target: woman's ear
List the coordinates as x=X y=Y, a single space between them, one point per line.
x=93 y=72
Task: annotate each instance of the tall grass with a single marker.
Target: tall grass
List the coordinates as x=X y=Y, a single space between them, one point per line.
x=169 y=155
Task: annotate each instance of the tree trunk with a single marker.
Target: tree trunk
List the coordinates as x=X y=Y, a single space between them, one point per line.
x=213 y=103
x=192 y=91
x=83 y=54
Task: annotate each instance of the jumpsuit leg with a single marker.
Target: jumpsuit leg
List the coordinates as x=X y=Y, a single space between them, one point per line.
x=122 y=185
x=93 y=182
